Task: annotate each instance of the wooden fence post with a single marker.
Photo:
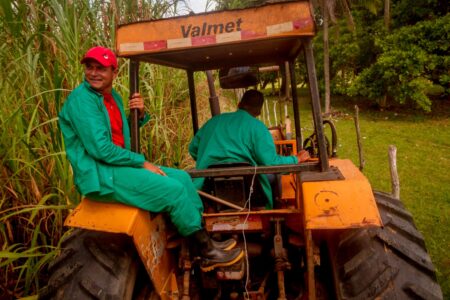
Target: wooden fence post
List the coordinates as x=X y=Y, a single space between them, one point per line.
x=394 y=175
x=362 y=162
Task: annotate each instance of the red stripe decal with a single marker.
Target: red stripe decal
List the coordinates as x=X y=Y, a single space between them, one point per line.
x=301 y=23
x=250 y=34
x=203 y=40
x=155 y=45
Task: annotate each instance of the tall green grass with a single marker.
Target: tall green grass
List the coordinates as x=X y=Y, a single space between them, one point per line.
x=42 y=43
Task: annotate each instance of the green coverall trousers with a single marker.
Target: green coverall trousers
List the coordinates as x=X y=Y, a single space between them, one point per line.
x=174 y=194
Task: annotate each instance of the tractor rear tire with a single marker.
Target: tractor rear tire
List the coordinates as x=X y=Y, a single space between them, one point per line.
x=384 y=263
x=93 y=265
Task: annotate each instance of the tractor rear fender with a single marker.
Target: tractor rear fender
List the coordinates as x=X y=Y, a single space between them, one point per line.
x=339 y=204
x=149 y=234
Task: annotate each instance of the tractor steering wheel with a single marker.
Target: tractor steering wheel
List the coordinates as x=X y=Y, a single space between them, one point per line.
x=311 y=143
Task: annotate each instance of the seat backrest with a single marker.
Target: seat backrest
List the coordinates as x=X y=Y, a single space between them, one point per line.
x=236 y=188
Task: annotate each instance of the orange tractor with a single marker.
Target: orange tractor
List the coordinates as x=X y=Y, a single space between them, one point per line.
x=329 y=236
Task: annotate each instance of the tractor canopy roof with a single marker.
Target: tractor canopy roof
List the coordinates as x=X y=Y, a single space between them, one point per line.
x=265 y=35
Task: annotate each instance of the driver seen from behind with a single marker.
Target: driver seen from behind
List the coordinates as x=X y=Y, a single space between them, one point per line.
x=240 y=137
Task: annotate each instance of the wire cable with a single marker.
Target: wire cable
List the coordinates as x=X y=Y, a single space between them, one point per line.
x=247 y=265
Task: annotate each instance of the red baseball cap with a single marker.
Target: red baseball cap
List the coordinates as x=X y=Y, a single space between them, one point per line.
x=102 y=55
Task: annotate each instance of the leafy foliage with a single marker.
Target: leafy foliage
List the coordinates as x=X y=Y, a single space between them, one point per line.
x=412 y=60
x=408 y=65
x=407 y=13
x=234 y=4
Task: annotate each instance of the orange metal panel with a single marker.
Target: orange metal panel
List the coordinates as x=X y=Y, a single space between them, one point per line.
x=287 y=187
x=337 y=204
x=287 y=181
x=281 y=20
x=149 y=236
x=286 y=147
x=108 y=217
x=291 y=143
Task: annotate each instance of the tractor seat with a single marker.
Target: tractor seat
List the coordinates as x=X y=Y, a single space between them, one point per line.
x=236 y=188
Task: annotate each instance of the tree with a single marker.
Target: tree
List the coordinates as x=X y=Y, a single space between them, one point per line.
x=413 y=63
x=327 y=7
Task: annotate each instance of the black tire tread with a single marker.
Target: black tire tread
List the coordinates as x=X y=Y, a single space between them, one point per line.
x=92 y=265
x=107 y=262
x=385 y=263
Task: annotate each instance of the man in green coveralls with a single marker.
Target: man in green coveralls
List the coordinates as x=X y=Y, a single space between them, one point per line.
x=240 y=137
x=97 y=140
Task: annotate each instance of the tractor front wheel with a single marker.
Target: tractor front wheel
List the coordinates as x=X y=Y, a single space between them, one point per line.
x=384 y=263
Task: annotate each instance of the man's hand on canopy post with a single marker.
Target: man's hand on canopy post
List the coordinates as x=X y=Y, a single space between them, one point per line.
x=137 y=102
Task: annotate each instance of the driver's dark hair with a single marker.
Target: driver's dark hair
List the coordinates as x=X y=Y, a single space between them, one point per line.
x=252 y=98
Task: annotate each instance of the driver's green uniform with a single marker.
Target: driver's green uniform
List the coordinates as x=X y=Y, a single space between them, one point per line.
x=106 y=172
x=236 y=137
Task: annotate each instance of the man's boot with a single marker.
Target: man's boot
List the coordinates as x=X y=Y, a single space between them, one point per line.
x=224 y=245
x=213 y=257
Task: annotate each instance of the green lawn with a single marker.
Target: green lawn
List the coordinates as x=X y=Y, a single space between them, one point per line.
x=423 y=163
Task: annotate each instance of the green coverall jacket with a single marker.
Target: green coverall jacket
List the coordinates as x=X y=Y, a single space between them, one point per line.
x=84 y=122
x=106 y=172
x=236 y=137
